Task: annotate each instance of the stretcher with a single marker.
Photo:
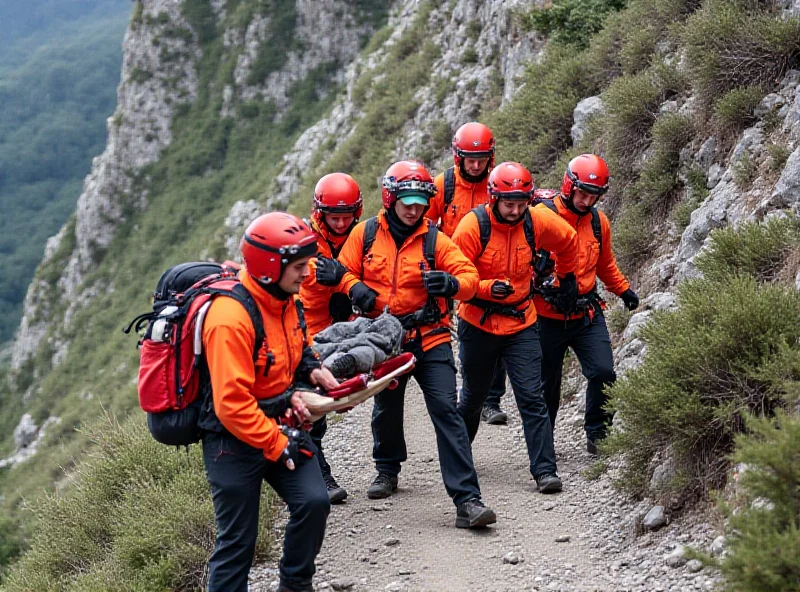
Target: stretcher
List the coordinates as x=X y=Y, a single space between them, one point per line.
x=358 y=389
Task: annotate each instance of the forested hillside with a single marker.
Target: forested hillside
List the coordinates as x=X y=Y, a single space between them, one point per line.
x=59 y=67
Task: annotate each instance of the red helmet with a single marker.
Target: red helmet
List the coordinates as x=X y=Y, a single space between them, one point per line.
x=587 y=172
x=336 y=193
x=473 y=140
x=274 y=240
x=407 y=179
x=540 y=195
x=510 y=180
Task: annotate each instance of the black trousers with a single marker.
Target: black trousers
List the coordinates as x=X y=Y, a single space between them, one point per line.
x=521 y=355
x=592 y=346
x=498 y=387
x=318 y=430
x=235 y=472
x=435 y=372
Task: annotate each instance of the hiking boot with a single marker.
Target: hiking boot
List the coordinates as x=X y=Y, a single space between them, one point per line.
x=336 y=493
x=592 y=444
x=549 y=483
x=494 y=415
x=383 y=486
x=473 y=514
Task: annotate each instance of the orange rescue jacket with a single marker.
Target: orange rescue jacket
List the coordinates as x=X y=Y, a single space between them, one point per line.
x=316 y=297
x=228 y=341
x=508 y=257
x=465 y=197
x=396 y=274
x=593 y=262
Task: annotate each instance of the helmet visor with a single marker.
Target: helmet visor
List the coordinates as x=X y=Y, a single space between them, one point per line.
x=411 y=198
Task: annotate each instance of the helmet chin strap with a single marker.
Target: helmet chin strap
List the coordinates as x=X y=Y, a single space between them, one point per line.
x=567 y=201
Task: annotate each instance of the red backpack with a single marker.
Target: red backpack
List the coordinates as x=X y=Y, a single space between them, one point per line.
x=173 y=377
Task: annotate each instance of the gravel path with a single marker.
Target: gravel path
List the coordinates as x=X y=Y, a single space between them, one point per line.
x=587 y=538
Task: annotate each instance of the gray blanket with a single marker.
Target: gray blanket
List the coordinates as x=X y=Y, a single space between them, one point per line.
x=367 y=341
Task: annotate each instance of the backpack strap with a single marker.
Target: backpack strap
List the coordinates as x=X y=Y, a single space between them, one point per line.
x=484 y=225
x=370 y=232
x=597 y=228
x=449 y=187
x=429 y=250
x=530 y=235
x=301 y=317
x=243 y=297
x=550 y=205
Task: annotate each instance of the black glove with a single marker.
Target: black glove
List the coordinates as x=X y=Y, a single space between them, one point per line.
x=565 y=298
x=329 y=271
x=630 y=298
x=340 y=307
x=501 y=290
x=440 y=283
x=299 y=448
x=363 y=297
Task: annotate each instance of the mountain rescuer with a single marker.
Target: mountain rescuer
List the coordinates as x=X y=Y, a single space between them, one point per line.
x=584 y=330
x=498 y=324
x=336 y=210
x=401 y=262
x=459 y=189
x=242 y=445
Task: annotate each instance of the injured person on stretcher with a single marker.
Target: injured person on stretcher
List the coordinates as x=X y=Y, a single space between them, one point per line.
x=365 y=355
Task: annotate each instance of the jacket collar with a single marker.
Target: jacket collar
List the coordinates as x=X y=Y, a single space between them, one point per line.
x=264 y=299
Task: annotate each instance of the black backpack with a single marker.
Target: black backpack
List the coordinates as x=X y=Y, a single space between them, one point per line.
x=173 y=377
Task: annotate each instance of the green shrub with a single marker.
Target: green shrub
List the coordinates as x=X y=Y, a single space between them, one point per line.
x=744 y=171
x=735 y=44
x=571 y=22
x=618 y=319
x=631 y=106
x=757 y=250
x=732 y=348
x=763 y=542
x=534 y=128
x=469 y=55
x=136 y=15
x=778 y=155
x=658 y=180
x=633 y=236
x=733 y=111
x=136 y=512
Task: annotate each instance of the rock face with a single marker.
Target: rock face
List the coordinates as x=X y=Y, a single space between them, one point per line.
x=27 y=436
x=158 y=74
x=502 y=51
x=583 y=112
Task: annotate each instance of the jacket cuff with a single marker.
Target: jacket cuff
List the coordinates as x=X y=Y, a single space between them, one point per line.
x=274 y=453
x=308 y=363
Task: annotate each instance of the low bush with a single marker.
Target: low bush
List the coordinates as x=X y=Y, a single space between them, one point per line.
x=732 y=45
x=733 y=111
x=658 y=180
x=744 y=171
x=731 y=349
x=778 y=155
x=571 y=22
x=138 y=515
x=752 y=249
x=534 y=129
x=763 y=542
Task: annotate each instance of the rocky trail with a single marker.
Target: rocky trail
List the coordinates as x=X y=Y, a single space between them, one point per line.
x=587 y=538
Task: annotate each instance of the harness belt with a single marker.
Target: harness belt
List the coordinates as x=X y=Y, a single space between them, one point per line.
x=491 y=307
